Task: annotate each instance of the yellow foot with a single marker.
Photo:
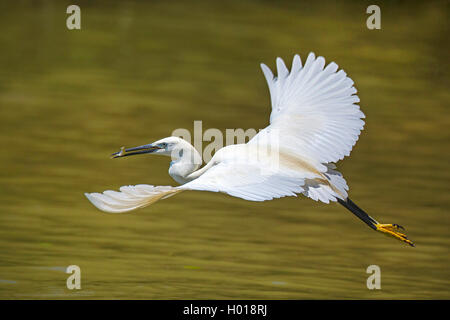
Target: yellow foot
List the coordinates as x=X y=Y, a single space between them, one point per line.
x=392 y=230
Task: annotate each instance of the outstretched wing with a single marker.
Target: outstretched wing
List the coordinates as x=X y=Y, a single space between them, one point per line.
x=244 y=180
x=314 y=109
x=236 y=179
x=130 y=197
x=247 y=181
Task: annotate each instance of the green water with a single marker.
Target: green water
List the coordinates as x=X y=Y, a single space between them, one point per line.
x=137 y=71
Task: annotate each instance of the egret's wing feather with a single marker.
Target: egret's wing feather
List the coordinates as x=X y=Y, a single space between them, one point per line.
x=327 y=190
x=238 y=179
x=130 y=197
x=314 y=109
x=246 y=181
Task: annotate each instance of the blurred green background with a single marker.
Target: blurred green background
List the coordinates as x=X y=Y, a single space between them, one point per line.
x=138 y=70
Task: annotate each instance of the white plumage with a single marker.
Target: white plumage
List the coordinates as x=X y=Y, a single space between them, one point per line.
x=314 y=108
x=315 y=121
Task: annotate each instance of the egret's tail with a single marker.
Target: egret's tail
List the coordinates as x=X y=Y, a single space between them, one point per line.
x=130 y=197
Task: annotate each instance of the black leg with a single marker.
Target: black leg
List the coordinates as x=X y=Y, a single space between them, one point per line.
x=357 y=211
x=389 y=229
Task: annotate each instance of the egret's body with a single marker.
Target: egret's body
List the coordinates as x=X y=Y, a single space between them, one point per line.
x=315 y=122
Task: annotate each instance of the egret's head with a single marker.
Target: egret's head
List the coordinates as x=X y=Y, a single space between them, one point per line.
x=170 y=146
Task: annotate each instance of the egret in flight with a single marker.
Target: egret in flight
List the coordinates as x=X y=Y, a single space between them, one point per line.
x=315 y=121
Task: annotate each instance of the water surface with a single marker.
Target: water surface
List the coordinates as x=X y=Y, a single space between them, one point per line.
x=137 y=71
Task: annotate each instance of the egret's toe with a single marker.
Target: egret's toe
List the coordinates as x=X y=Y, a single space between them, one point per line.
x=392 y=230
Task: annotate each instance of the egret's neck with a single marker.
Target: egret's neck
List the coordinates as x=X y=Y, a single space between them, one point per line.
x=185 y=160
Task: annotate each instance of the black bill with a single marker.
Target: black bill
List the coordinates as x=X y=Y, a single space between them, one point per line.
x=148 y=148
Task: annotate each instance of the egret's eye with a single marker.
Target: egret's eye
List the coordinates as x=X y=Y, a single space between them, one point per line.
x=163 y=145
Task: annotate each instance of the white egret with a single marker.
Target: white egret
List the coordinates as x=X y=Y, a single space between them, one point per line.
x=315 y=122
